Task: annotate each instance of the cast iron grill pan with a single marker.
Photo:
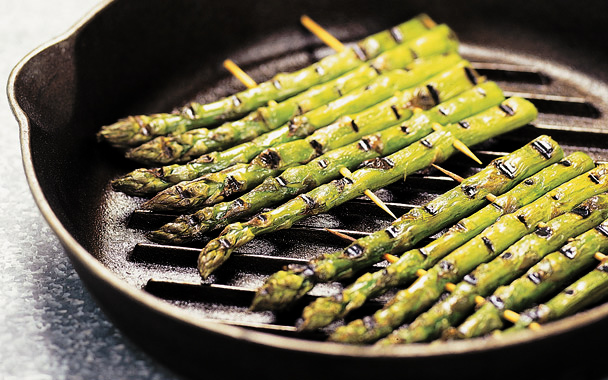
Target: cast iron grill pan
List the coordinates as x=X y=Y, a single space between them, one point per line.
x=91 y=87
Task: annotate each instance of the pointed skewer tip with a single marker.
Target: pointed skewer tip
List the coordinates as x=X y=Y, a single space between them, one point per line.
x=321 y=33
x=510 y=316
x=239 y=73
x=454 y=176
x=391 y=258
x=373 y=197
x=340 y=234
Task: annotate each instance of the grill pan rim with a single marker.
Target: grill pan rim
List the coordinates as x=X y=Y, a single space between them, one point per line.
x=94 y=267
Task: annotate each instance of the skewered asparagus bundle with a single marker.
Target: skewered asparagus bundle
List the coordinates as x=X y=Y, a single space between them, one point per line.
x=324 y=310
x=487 y=245
x=541 y=279
x=549 y=275
x=584 y=292
x=378 y=173
x=137 y=129
x=214 y=187
x=486 y=277
x=183 y=147
x=150 y=181
x=299 y=179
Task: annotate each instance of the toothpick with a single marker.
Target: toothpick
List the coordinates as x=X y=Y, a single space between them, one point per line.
x=534 y=326
x=600 y=256
x=391 y=258
x=513 y=317
x=346 y=173
x=239 y=74
x=322 y=34
x=340 y=234
x=490 y=197
x=459 y=145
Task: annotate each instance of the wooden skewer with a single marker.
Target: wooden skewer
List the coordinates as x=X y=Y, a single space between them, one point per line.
x=239 y=73
x=600 y=256
x=391 y=258
x=459 y=145
x=243 y=77
x=346 y=173
x=322 y=34
x=340 y=234
x=456 y=177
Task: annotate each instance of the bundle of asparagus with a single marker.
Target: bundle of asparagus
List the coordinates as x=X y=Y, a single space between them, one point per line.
x=550 y=274
x=325 y=310
x=311 y=104
x=490 y=243
x=584 y=292
x=215 y=187
x=486 y=277
x=134 y=130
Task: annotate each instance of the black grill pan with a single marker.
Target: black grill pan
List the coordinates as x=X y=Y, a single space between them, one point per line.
x=134 y=57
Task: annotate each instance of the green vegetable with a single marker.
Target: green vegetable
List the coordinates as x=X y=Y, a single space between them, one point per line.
x=561 y=268
x=487 y=277
x=183 y=147
x=134 y=130
x=361 y=101
x=324 y=310
x=490 y=243
x=214 y=187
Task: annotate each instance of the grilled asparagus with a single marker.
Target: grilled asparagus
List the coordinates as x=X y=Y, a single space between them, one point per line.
x=490 y=243
x=215 y=187
x=134 y=130
x=297 y=129
x=502 y=269
x=183 y=147
x=586 y=291
x=324 y=310
x=554 y=272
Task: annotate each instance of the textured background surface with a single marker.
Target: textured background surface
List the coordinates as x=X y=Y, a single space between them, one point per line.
x=49 y=326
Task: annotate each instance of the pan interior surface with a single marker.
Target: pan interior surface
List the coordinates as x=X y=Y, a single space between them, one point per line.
x=111 y=67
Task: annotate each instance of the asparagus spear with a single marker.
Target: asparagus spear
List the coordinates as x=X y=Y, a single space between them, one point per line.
x=214 y=187
x=375 y=174
x=183 y=147
x=296 y=129
x=548 y=275
x=493 y=240
x=134 y=130
x=324 y=310
x=299 y=179
x=487 y=277
x=584 y=292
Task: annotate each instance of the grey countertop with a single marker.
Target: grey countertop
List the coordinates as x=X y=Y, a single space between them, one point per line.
x=50 y=328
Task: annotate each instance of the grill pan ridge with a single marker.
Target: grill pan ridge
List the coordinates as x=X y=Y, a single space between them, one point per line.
x=153 y=293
